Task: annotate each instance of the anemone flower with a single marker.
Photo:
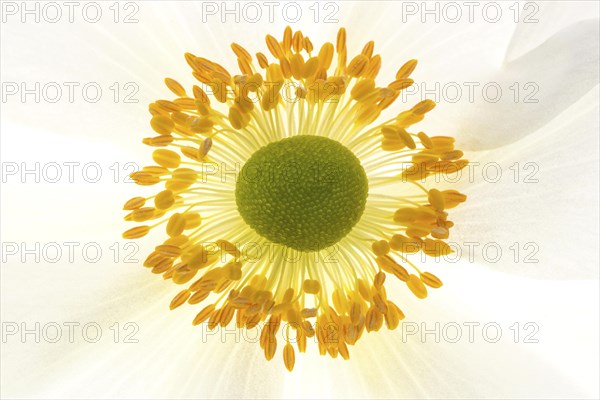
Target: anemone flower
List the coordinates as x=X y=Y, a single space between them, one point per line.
x=359 y=248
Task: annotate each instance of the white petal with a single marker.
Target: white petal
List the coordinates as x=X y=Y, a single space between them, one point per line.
x=534 y=26
x=542 y=211
x=524 y=94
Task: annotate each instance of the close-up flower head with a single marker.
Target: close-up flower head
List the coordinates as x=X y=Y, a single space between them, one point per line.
x=361 y=199
x=315 y=194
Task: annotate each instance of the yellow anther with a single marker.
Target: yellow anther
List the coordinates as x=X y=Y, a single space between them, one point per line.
x=192 y=220
x=134 y=203
x=436 y=248
x=452 y=198
x=176 y=225
x=379 y=280
x=358 y=65
x=162 y=125
x=240 y=52
x=168 y=250
x=137 y=232
x=407 y=69
x=203 y=315
x=380 y=247
x=416 y=286
x=288 y=356
x=425 y=140
x=287 y=38
x=181 y=298
x=423 y=107
x=311 y=286
x=233 y=270
x=274 y=47
x=431 y=280
x=307 y=44
x=373 y=319
x=142 y=214
x=158 y=141
x=175 y=87
x=164 y=200
x=436 y=199
x=297 y=66
x=297 y=41
x=341 y=40
x=401 y=84
x=362 y=89
x=325 y=56
x=166 y=158
x=368 y=49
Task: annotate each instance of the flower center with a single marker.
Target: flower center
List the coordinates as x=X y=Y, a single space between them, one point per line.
x=304 y=192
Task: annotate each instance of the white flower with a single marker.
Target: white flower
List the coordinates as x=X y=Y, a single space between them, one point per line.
x=553 y=220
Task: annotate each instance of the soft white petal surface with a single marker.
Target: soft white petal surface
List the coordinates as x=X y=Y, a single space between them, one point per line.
x=540 y=193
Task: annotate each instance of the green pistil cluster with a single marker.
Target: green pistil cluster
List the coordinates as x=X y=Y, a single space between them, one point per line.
x=304 y=192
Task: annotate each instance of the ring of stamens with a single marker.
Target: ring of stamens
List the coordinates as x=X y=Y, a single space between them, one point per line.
x=213 y=253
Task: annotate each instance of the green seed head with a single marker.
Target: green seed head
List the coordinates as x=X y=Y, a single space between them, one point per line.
x=304 y=192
